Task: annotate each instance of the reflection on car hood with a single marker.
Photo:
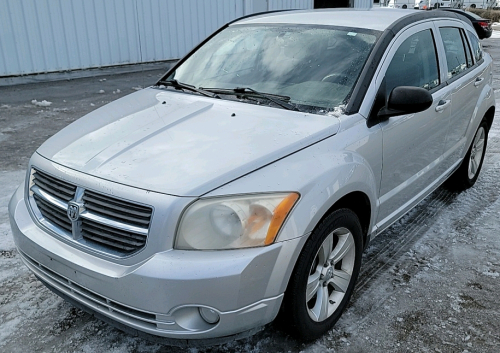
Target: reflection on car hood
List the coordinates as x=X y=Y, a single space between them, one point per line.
x=181 y=144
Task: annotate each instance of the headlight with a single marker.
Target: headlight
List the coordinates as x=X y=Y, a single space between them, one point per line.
x=234 y=222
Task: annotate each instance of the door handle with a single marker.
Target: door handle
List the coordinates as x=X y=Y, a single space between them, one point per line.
x=478 y=81
x=442 y=105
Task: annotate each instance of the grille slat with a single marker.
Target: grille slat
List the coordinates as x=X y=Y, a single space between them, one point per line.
x=119 y=216
x=53 y=214
x=115 y=231
x=110 y=201
x=55 y=187
x=111 y=244
x=118 y=239
x=108 y=236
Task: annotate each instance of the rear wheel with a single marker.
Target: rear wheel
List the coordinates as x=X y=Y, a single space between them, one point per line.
x=468 y=172
x=324 y=276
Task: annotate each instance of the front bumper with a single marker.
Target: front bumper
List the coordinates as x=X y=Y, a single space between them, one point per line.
x=161 y=295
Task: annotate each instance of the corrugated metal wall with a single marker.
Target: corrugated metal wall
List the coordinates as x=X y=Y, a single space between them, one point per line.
x=38 y=36
x=290 y=4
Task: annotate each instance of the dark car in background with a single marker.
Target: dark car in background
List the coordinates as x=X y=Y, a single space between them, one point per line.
x=481 y=25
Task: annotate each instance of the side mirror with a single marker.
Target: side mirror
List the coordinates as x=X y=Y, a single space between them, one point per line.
x=406 y=100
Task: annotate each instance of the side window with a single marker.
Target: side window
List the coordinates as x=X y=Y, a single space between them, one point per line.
x=455 y=50
x=414 y=63
x=477 y=51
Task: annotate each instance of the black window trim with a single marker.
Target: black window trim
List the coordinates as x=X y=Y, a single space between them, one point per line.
x=476 y=62
x=469 y=69
x=372 y=119
x=468 y=51
x=368 y=72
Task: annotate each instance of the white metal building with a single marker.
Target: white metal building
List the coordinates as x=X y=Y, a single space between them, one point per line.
x=43 y=36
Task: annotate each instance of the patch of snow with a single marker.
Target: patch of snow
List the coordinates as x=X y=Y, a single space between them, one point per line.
x=491 y=274
x=92 y=104
x=102 y=80
x=117 y=91
x=337 y=111
x=138 y=88
x=101 y=91
x=43 y=103
x=6 y=106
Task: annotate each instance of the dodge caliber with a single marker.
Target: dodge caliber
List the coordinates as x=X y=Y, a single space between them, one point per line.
x=246 y=183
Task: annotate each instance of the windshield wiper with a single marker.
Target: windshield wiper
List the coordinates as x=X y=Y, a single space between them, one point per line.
x=282 y=101
x=184 y=86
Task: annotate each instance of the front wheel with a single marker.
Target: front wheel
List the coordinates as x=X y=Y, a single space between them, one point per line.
x=324 y=276
x=468 y=172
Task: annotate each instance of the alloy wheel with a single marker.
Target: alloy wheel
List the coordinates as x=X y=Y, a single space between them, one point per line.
x=330 y=274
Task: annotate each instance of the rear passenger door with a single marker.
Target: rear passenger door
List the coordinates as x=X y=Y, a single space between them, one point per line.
x=413 y=144
x=465 y=78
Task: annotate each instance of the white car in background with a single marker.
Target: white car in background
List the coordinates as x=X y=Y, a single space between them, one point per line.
x=248 y=181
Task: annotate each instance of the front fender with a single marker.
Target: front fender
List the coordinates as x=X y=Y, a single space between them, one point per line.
x=322 y=174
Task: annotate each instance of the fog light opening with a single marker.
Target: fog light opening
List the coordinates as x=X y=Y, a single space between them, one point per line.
x=209 y=315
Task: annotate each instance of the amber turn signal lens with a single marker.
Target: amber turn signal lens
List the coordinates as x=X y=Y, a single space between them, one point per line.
x=279 y=216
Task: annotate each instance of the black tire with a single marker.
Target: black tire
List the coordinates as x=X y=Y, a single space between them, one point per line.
x=473 y=6
x=404 y=6
x=468 y=172
x=302 y=318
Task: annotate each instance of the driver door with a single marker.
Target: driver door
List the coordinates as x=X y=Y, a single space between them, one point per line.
x=413 y=144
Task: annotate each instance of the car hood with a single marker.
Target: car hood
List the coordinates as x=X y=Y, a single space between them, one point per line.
x=182 y=144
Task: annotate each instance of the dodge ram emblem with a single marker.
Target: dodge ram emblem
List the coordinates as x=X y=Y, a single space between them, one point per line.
x=73 y=211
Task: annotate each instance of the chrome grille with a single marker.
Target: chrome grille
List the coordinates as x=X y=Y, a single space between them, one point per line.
x=118 y=210
x=116 y=239
x=105 y=223
x=53 y=214
x=55 y=187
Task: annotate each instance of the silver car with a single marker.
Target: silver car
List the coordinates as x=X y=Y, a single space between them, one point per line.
x=248 y=181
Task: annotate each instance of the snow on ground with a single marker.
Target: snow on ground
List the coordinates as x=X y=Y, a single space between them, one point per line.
x=43 y=103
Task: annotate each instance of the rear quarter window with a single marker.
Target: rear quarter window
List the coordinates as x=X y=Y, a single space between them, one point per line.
x=456 y=57
x=477 y=50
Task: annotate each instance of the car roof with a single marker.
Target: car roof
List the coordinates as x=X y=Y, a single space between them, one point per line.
x=376 y=18
x=469 y=15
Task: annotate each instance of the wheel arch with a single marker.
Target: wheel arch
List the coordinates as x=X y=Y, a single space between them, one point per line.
x=359 y=203
x=489 y=115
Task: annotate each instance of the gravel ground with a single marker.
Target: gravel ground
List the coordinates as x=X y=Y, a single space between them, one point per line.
x=430 y=283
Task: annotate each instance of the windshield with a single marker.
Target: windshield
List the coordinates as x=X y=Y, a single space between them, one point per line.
x=316 y=67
